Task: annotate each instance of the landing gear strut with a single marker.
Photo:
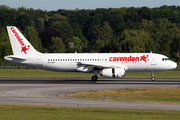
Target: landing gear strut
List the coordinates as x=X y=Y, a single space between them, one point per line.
x=152 y=74
x=95 y=77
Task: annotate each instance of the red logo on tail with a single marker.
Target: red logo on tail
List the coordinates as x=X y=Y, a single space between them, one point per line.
x=24 y=49
x=23 y=46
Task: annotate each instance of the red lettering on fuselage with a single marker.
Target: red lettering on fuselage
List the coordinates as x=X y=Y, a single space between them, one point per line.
x=129 y=59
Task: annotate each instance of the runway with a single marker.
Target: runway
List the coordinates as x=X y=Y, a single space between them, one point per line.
x=51 y=91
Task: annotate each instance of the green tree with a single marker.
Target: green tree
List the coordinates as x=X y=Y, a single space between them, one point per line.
x=77 y=31
x=46 y=36
x=5 y=47
x=73 y=50
x=39 y=24
x=64 y=27
x=77 y=45
x=2 y=30
x=127 y=26
x=145 y=13
x=33 y=38
x=163 y=32
x=100 y=37
x=132 y=15
x=57 y=45
x=176 y=46
x=7 y=15
x=136 y=41
x=23 y=20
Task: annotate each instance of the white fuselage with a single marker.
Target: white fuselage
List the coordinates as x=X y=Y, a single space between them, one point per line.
x=68 y=62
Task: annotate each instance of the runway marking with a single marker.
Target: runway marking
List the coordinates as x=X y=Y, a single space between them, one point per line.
x=3 y=90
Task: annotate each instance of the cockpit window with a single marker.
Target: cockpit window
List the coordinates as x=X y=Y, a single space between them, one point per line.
x=165 y=59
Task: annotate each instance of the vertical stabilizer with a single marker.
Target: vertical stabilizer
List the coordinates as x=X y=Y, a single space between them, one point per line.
x=19 y=43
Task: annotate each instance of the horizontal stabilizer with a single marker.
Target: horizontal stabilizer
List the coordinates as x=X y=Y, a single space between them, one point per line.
x=14 y=57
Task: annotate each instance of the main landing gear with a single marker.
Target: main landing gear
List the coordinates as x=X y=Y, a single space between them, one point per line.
x=95 y=77
x=152 y=75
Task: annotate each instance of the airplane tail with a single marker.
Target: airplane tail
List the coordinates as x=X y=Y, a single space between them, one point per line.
x=19 y=43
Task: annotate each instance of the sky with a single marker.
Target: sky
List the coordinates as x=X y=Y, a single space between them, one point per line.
x=54 y=5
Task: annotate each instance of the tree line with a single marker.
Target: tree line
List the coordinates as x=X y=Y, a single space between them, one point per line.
x=101 y=30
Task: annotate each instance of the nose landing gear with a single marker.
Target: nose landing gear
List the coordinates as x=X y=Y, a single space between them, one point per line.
x=152 y=75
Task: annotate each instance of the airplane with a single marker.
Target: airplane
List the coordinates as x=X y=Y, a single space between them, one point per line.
x=112 y=65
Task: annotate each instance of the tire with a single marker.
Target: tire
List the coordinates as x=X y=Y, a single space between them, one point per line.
x=94 y=78
x=153 y=79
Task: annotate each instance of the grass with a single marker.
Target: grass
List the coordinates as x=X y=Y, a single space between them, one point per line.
x=37 y=73
x=165 y=74
x=147 y=95
x=47 y=112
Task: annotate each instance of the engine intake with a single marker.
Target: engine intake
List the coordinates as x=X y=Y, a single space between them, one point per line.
x=113 y=72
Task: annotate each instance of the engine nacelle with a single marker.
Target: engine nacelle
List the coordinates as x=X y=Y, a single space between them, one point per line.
x=113 y=72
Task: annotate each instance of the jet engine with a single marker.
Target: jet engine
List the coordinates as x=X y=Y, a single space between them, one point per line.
x=113 y=72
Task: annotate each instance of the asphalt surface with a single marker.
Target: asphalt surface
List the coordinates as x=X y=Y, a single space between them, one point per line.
x=51 y=91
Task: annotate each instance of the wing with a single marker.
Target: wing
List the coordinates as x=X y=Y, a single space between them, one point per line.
x=89 y=67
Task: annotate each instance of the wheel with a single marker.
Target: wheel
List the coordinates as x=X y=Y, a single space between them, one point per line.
x=153 y=79
x=94 y=78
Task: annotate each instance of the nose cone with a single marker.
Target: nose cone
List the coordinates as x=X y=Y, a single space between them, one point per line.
x=170 y=65
x=175 y=65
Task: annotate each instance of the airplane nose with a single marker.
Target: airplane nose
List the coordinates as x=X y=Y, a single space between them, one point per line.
x=176 y=65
